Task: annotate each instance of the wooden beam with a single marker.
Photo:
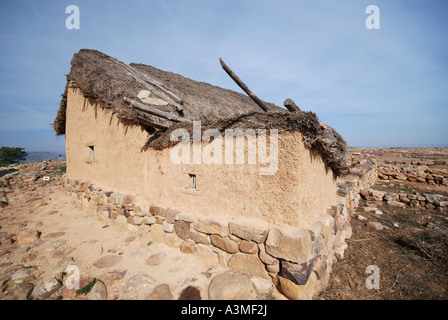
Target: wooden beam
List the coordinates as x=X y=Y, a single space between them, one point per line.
x=291 y=106
x=243 y=86
x=151 y=124
x=155 y=111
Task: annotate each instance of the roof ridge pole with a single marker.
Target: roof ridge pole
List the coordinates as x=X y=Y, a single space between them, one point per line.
x=243 y=86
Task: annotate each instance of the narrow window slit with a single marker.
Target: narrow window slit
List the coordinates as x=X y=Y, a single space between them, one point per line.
x=192 y=181
x=91 y=152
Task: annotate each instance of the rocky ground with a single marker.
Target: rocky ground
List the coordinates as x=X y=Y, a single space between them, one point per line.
x=401 y=227
x=48 y=242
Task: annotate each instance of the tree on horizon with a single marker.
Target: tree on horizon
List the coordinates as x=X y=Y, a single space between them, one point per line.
x=10 y=155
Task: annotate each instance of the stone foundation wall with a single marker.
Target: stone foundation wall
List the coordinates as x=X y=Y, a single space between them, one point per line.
x=363 y=174
x=299 y=261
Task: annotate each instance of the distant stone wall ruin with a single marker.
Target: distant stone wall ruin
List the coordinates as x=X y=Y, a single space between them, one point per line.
x=420 y=172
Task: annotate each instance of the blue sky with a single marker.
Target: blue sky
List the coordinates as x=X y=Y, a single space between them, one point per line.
x=386 y=87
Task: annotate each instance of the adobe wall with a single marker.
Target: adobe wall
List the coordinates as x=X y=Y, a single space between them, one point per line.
x=292 y=233
x=302 y=188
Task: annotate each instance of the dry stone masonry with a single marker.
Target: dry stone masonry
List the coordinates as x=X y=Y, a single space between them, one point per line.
x=413 y=199
x=425 y=172
x=414 y=171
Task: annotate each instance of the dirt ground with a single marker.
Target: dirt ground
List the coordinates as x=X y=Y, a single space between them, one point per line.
x=411 y=251
x=412 y=258
x=67 y=230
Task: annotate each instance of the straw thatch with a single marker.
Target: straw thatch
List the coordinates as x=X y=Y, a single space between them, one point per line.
x=316 y=135
x=108 y=81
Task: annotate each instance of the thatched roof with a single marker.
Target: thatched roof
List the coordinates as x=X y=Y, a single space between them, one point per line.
x=108 y=81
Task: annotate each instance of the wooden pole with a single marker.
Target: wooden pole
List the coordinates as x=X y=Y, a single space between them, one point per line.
x=243 y=86
x=291 y=106
x=151 y=124
x=155 y=111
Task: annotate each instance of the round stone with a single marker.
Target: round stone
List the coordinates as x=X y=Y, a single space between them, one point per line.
x=232 y=285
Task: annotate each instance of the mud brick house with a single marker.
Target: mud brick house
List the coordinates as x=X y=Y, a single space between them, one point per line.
x=122 y=124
